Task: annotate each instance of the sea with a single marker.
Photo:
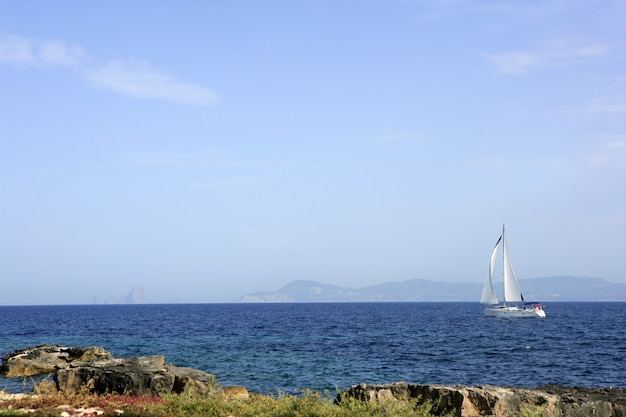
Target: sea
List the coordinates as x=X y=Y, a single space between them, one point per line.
x=328 y=347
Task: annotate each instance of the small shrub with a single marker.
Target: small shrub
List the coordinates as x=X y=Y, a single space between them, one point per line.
x=537 y=411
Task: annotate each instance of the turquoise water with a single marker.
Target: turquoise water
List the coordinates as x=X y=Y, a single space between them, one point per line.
x=271 y=348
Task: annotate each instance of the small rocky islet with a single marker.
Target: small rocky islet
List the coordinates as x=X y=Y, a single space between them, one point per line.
x=92 y=369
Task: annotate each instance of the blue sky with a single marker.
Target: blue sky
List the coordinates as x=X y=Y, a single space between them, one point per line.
x=205 y=150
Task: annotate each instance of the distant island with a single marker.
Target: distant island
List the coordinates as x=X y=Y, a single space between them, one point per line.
x=562 y=288
x=135 y=296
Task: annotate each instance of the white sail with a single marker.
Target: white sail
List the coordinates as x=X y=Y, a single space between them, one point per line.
x=489 y=296
x=512 y=292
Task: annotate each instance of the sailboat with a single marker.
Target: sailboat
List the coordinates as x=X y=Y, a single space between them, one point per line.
x=513 y=303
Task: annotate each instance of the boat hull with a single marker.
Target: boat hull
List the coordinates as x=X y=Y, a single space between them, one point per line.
x=514 y=312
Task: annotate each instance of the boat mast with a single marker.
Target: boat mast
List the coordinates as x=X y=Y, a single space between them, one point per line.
x=503 y=265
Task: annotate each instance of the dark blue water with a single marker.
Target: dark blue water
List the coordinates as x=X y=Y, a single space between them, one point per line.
x=272 y=348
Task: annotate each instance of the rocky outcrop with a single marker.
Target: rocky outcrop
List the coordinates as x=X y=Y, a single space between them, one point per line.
x=189 y=378
x=92 y=370
x=45 y=359
x=140 y=376
x=461 y=401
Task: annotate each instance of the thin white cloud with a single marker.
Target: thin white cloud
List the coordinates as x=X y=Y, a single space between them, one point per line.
x=396 y=137
x=616 y=143
x=514 y=62
x=16 y=51
x=173 y=159
x=138 y=79
x=131 y=78
x=226 y=183
x=547 y=53
x=608 y=154
x=492 y=162
x=203 y=158
x=61 y=54
x=23 y=52
x=592 y=50
x=612 y=104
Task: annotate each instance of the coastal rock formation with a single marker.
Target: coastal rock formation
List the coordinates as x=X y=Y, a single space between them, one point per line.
x=136 y=296
x=91 y=369
x=549 y=401
x=140 y=376
x=46 y=359
x=187 y=378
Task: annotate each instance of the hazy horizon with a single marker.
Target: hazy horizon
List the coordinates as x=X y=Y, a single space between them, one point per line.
x=203 y=148
x=117 y=296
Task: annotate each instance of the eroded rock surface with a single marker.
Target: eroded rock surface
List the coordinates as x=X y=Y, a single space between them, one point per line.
x=142 y=376
x=188 y=378
x=91 y=369
x=45 y=359
x=462 y=401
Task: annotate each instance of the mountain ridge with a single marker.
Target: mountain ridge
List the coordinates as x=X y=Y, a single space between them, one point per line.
x=544 y=289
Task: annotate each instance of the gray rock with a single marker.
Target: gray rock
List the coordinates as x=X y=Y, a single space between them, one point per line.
x=188 y=378
x=550 y=401
x=140 y=376
x=46 y=359
x=91 y=370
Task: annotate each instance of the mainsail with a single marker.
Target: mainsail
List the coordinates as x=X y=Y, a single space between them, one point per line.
x=512 y=291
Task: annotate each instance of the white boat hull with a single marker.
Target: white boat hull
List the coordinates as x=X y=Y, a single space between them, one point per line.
x=514 y=311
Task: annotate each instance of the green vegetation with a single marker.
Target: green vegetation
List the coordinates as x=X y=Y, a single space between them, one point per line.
x=537 y=411
x=309 y=404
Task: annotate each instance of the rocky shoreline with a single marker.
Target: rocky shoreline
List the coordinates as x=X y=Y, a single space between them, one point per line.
x=92 y=370
x=551 y=400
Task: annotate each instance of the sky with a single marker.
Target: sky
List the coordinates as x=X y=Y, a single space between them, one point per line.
x=205 y=150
